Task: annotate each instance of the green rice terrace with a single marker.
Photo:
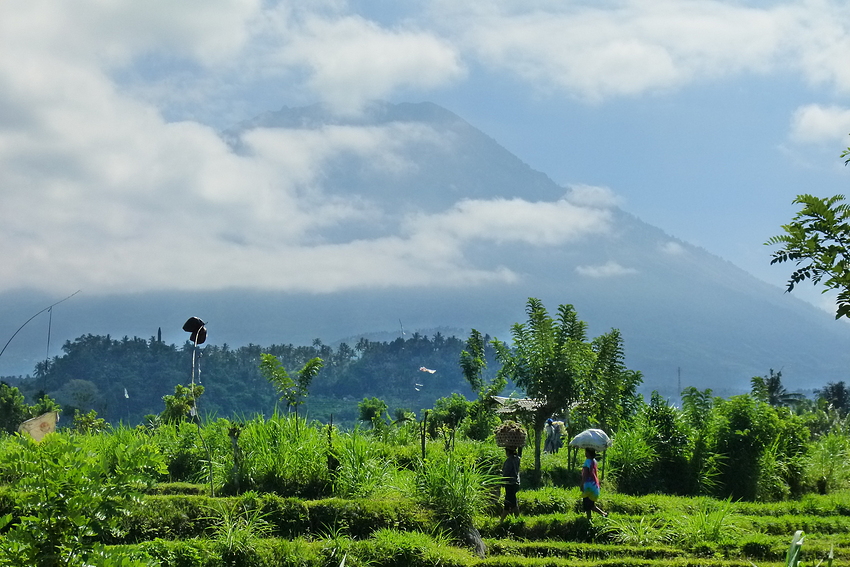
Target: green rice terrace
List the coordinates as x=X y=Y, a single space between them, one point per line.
x=756 y=479
x=285 y=492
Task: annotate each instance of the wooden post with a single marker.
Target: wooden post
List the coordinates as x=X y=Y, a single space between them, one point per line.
x=424 y=430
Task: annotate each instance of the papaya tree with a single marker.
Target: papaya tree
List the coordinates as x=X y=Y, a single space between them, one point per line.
x=482 y=417
x=550 y=360
x=558 y=367
x=292 y=390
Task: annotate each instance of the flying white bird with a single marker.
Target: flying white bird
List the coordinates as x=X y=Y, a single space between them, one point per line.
x=428 y=370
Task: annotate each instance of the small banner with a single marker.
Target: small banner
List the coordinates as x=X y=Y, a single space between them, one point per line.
x=40 y=426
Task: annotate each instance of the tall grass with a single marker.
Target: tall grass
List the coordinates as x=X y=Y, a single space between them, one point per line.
x=456 y=488
x=180 y=444
x=279 y=457
x=710 y=521
x=772 y=472
x=829 y=469
x=631 y=459
x=646 y=531
x=363 y=469
x=237 y=529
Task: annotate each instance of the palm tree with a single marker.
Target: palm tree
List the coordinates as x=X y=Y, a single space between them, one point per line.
x=836 y=395
x=770 y=389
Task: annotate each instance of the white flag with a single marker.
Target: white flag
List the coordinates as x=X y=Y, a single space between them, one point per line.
x=40 y=426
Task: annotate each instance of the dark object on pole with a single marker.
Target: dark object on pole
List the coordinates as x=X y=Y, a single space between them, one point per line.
x=196 y=326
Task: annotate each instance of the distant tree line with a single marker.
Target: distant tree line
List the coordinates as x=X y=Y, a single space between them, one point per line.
x=126 y=379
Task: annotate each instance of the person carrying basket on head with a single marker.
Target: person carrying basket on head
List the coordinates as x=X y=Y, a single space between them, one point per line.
x=510 y=477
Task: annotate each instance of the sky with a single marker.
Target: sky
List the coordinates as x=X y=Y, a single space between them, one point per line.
x=702 y=117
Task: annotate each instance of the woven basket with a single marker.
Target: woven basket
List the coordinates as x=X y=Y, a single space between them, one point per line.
x=510 y=437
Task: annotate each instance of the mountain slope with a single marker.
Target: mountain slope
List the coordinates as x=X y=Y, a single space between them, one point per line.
x=687 y=316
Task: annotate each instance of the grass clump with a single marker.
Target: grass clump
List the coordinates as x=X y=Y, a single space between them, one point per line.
x=362 y=470
x=456 y=489
x=709 y=522
x=643 y=531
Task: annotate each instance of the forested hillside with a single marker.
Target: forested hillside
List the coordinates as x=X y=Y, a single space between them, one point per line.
x=124 y=380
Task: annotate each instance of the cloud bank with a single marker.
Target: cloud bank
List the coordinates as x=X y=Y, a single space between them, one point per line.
x=105 y=190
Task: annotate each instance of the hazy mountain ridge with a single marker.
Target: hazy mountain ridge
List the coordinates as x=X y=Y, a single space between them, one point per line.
x=681 y=310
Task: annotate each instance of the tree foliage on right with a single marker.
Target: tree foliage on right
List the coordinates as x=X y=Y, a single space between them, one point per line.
x=817 y=241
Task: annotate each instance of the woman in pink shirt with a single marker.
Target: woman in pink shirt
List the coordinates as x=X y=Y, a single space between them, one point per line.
x=590 y=484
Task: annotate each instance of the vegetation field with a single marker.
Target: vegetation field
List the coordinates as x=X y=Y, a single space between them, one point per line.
x=753 y=479
x=288 y=492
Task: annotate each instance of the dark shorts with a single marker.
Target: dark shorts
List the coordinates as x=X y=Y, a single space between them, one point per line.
x=510 y=496
x=587 y=504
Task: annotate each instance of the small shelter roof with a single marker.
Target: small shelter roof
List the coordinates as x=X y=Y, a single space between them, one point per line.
x=514 y=405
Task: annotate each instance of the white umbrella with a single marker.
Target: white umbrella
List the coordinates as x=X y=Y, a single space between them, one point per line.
x=591 y=439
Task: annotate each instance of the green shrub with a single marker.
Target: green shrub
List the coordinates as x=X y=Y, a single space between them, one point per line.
x=185 y=454
x=747 y=428
x=779 y=525
x=67 y=498
x=394 y=548
x=581 y=551
x=631 y=459
x=759 y=546
x=359 y=518
x=550 y=501
x=182 y=488
x=265 y=553
x=189 y=553
x=289 y=517
x=561 y=527
x=168 y=517
x=828 y=467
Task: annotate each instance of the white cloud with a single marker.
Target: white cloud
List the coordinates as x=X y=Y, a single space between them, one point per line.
x=113 y=33
x=609 y=269
x=626 y=47
x=101 y=191
x=353 y=60
x=514 y=220
x=814 y=123
x=102 y=194
x=592 y=196
x=672 y=248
